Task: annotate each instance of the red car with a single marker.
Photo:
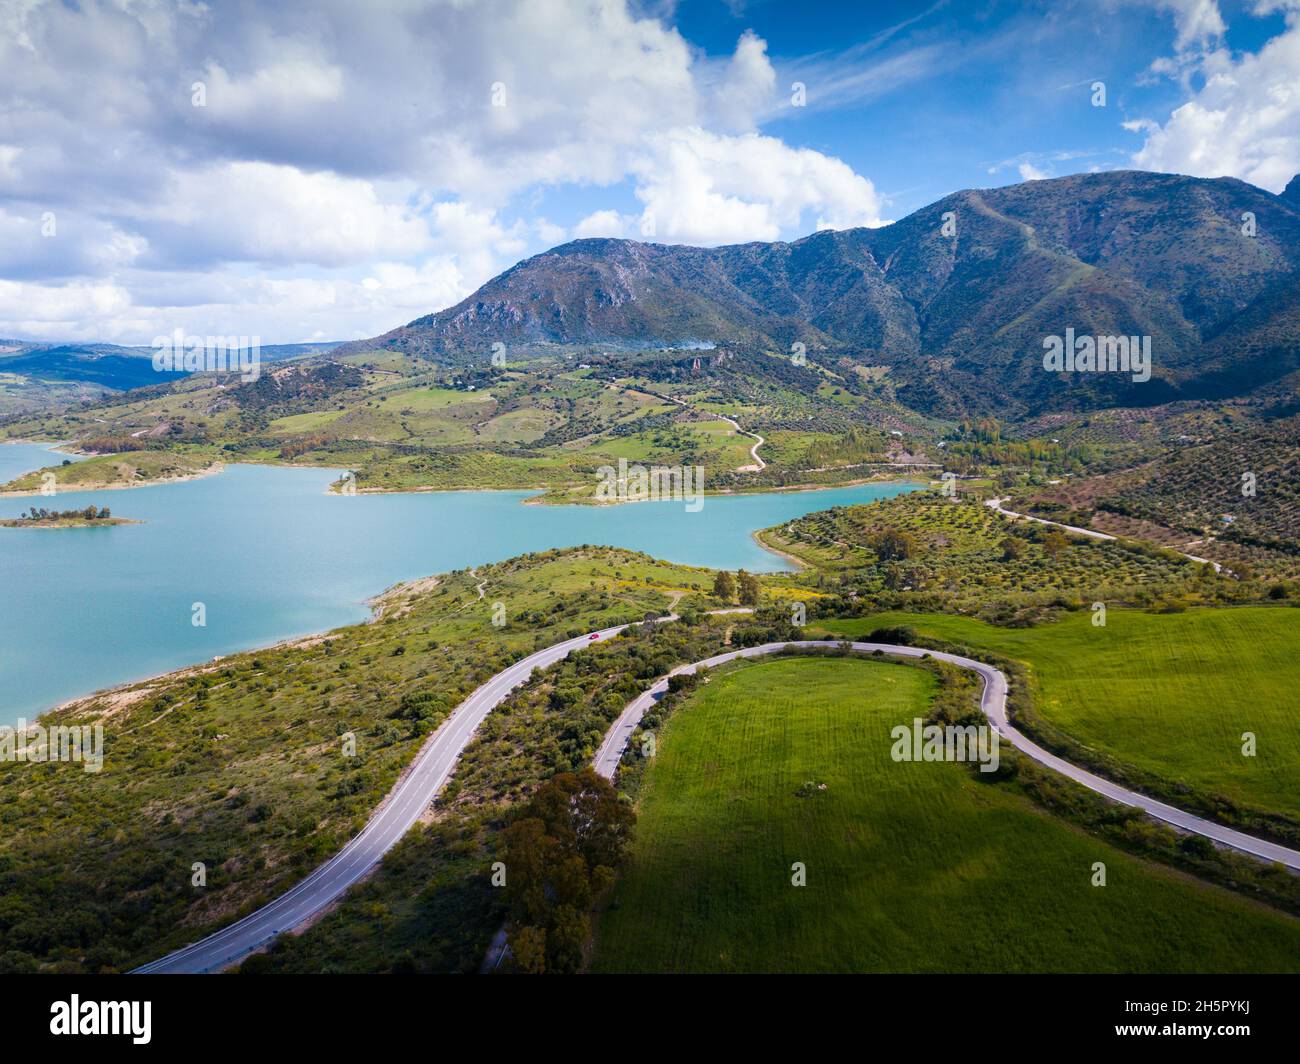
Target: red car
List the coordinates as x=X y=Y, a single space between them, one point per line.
x=594 y=635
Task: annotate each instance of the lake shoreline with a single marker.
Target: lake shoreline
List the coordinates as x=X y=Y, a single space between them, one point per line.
x=538 y=496
x=98 y=522
x=348 y=562
x=211 y=471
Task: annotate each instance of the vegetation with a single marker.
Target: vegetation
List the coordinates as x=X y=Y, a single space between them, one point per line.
x=1232 y=498
x=561 y=855
x=240 y=764
x=909 y=866
x=89 y=517
x=129 y=469
x=927 y=551
x=550 y=726
x=1161 y=701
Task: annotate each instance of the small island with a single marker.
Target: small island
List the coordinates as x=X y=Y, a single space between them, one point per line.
x=90 y=517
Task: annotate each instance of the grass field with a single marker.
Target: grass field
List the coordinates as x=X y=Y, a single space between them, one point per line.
x=1169 y=693
x=910 y=867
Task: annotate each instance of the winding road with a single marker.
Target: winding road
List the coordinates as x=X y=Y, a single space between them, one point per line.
x=1091 y=533
x=413 y=793
x=759 y=465
x=399 y=811
x=993 y=702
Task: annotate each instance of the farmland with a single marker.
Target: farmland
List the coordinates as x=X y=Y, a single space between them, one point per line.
x=910 y=867
x=1170 y=694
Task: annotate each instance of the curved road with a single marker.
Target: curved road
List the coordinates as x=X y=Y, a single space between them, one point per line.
x=416 y=789
x=993 y=702
x=753 y=451
x=405 y=804
x=1092 y=533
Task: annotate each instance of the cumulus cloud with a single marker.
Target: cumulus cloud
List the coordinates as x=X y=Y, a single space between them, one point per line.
x=1198 y=22
x=28 y=309
x=259 y=212
x=350 y=171
x=706 y=188
x=600 y=223
x=1243 y=122
x=748 y=87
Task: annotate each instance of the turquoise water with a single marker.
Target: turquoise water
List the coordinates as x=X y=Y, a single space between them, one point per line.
x=271 y=556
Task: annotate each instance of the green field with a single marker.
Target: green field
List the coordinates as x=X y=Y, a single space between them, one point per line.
x=1168 y=693
x=910 y=867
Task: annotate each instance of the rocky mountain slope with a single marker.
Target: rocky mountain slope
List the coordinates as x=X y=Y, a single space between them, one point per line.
x=955 y=299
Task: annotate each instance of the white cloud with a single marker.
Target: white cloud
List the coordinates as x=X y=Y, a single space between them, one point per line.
x=258 y=212
x=62 y=244
x=218 y=303
x=1198 y=22
x=705 y=188
x=748 y=87
x=1030 y=172
x=290 y=86
x=1244 y=121
x=349 y=171
x=72 y=310
x=600 y=223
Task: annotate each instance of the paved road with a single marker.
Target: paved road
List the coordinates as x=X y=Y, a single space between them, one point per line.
x=433 y=765
x=400 y=810
x=993 y=702
x=1092 y=533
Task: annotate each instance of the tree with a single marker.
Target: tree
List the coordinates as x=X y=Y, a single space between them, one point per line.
x=560 y=856
x=893 y=545
x=747 y=587
x=724 y=587
x=1012 y=548
x=1054 y=543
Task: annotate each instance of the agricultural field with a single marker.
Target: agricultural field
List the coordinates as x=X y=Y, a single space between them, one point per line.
x=1233 y=497
x=925 y=550
x=1167 y=694
x=911 y=867
x=550 y=422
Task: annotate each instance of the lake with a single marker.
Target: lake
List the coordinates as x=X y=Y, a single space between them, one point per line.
x=272 y=555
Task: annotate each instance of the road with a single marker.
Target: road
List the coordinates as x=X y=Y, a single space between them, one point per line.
x=996 y=504
x=758 y=466
x=404 y=805
x=413 y=793
x=993 y=702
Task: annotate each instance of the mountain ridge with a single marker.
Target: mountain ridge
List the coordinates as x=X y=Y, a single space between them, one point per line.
x=954 y=300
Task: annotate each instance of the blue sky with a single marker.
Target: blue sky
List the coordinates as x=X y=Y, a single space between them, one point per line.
x=333 y=172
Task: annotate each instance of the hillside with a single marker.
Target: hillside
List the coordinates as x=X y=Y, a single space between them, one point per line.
x=50 y=376
x=954 y=299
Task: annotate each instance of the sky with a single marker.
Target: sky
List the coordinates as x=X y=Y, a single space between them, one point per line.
x=329 y=171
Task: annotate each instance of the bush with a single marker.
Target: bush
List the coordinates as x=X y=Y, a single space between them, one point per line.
x=900 y=633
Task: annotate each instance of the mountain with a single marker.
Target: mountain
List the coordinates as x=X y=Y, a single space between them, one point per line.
x=955 y=299
x=1292 y=191
x=108 y=365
